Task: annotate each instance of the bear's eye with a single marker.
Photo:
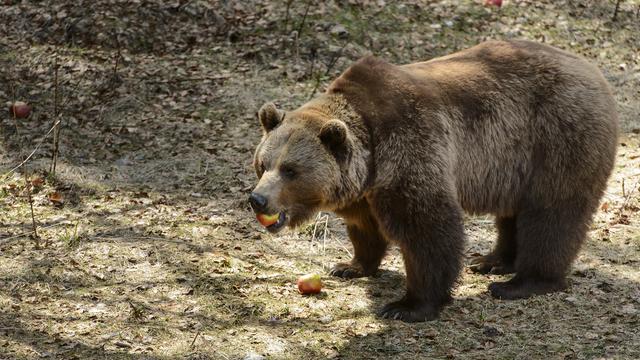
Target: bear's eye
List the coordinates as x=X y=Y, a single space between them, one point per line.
x=261 y=169
x=288 y=172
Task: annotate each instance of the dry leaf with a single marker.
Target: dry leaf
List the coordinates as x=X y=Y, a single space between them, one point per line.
x=56 y=198
x=37 y=182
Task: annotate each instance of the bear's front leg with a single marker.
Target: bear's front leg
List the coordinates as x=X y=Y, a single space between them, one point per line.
x=369 y=246
x=429 y=229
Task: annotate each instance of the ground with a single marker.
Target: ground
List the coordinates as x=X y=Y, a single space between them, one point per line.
x=146 y=246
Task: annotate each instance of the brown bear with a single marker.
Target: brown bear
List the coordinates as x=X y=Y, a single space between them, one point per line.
x=517 y=129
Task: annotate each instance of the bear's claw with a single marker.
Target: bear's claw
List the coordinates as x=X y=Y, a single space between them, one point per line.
x=347 y=271
x=490 y=264
x=409 y=311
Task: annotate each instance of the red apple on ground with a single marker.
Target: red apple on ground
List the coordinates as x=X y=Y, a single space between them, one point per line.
x=309 y=284
x=20 y=109
x=267 y=220
x=497 y=3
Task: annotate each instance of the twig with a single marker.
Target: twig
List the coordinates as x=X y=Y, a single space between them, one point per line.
x=285 y=33
x=56 y=112
x=286 y=18
x=186 y=79
x=118 y=55
x=194 y=339
x=13 y=109
x=300 y=27
x=33 y=152
x=304 y=17
x=320 y=219
x=182 y=4
x=615 y=12
x=5 y=240
x=626 y=196
x=75 y=88
x=27 y=187
x=330 y=66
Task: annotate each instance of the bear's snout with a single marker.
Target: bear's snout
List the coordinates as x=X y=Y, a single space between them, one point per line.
x=258 y=202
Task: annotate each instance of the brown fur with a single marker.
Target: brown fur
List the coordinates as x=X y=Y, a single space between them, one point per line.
x=514 y=128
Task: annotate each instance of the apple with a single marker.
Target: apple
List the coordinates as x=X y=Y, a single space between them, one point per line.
x=267 y=220
x=309 y=284
x=497 y=3
x=20 y=109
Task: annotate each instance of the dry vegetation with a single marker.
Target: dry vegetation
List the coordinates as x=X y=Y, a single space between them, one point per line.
x=148 y=249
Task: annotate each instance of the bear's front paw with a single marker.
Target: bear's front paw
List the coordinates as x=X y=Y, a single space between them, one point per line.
x=409 y=311
x=347 y=271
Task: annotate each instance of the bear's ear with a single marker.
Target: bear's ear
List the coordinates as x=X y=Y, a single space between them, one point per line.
x=333 y=135
x=270 y=116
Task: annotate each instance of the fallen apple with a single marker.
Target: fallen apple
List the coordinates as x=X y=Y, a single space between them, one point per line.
x=497 y=3
x=267 y=220
x=20 y=109
x=309 y=284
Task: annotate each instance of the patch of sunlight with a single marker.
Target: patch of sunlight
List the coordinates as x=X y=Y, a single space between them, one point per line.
x=145 y=272
x=11 y=267
x=469 y=289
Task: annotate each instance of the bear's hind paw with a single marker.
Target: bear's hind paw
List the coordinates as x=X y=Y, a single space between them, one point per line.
x=408 y=311
x=518 y=288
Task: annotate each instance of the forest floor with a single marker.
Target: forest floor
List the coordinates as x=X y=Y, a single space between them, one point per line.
x=147 y=248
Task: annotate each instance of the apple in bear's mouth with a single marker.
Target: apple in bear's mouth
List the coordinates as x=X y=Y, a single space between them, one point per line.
x=272 y=222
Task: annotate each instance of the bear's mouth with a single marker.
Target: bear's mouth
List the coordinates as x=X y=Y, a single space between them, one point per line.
x=273 y=223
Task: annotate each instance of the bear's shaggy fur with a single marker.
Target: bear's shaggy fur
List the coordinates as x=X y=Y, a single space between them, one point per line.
x=516 y=129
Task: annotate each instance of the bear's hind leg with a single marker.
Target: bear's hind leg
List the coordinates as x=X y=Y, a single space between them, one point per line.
x=501 y=259
x=369 y=248
x=548 y=240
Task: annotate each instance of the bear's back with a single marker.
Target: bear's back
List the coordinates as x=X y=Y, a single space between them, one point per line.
x=527 y=120
x=512 y=119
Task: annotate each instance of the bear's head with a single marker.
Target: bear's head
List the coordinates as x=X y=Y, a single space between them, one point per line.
x=303 y=165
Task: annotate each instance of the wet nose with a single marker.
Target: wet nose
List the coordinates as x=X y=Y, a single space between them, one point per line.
x=258 y=202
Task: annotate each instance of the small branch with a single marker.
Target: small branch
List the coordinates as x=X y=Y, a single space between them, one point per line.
x=55 y=88
x=56 y=112
x=13 y=113
x=185 y=79
x=27 y=187
x=194 y=339
x=12 y=237
x=33 y=152
x=304 y=17
x=118 y=55
x=182 y=4
x=286 y=18
x=285 y=29
x=298 y=32
x=615 y=12
x=330 y=66
x=75 y=88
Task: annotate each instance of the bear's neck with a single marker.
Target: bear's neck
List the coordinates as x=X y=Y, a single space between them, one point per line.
x=357 y=172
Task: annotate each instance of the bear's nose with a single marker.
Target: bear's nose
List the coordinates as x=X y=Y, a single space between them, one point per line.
x=258 y=202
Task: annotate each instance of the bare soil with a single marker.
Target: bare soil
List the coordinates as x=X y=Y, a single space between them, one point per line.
x=147 y=248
